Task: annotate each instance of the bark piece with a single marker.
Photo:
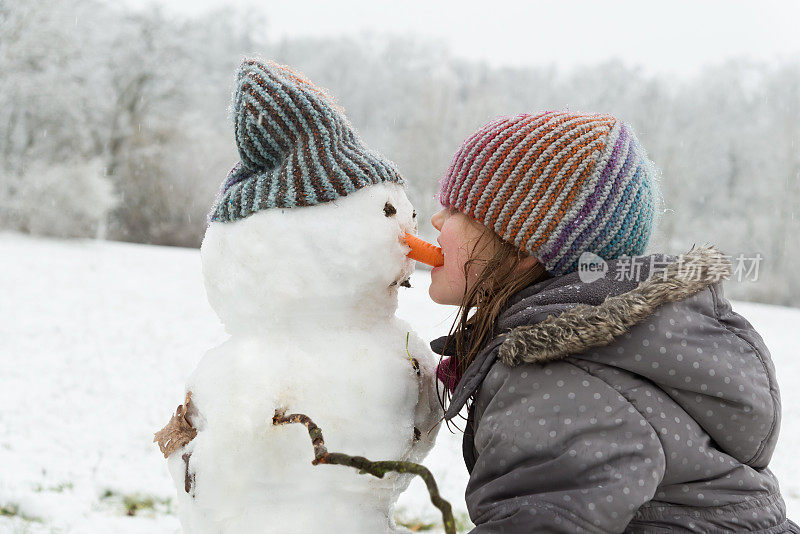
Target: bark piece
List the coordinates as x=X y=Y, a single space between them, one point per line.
x=178 y=432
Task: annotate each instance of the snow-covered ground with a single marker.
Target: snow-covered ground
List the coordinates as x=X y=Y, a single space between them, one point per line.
x=96 y=341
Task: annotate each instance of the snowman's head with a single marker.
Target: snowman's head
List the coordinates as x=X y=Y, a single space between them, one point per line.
x=309 y=223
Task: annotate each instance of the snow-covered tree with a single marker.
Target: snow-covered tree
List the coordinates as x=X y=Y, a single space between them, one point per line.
x=68 y=199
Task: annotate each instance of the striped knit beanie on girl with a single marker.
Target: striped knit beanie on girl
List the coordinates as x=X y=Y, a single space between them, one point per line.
x=556 y=185
x=295 y=144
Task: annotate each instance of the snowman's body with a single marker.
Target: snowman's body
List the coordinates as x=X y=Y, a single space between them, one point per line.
x=308 y=297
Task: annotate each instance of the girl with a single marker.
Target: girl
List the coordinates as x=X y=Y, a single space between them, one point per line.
x=609 y=391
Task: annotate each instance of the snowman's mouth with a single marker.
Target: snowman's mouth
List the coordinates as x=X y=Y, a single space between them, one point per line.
x=403 y=277
x=402 y=283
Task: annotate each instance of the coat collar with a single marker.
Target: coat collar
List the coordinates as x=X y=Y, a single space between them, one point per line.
x=563 y=316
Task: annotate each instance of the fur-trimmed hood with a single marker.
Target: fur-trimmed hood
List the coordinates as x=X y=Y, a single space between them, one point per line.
x=585 y=325
x=565 y=315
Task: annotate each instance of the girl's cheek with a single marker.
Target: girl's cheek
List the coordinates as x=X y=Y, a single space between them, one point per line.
x=455 y=255
x=455 y=279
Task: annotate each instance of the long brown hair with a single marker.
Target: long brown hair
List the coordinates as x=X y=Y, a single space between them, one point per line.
x=496 y=280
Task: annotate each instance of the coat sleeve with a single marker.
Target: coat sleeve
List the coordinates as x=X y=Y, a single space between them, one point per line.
x=558 y=450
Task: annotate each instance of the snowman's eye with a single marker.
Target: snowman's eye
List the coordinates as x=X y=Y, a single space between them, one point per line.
x=388 y=209
x=414 y=214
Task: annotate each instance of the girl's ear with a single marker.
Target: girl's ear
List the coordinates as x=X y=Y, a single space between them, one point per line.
x=275 y=110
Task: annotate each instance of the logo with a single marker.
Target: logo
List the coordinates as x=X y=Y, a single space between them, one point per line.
x=591 y=267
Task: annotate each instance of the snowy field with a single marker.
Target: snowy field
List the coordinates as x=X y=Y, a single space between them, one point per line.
x=96 y=341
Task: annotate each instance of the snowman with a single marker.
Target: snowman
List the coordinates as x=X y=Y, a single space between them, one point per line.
x=302 y=259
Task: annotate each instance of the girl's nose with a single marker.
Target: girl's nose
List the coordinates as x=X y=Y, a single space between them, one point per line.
x=438 y=218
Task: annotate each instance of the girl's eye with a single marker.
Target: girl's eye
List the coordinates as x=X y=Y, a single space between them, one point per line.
x=388 y=209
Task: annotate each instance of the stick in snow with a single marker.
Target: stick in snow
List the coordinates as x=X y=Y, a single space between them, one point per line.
x=378 y=469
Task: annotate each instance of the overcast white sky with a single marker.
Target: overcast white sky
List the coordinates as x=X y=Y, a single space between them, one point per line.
x=676 y=36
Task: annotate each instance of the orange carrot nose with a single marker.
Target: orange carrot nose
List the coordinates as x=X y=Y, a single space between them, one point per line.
x=423 y=252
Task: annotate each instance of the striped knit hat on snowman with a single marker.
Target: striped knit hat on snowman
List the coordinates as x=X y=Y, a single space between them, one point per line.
x=295 y=144
x=556 y=185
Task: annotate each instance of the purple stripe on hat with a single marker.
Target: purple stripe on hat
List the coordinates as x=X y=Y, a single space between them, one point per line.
x=235 y=175
x=614 y=201
x=589 y=205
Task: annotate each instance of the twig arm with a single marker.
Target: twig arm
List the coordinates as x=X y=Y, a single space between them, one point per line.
x=377 y=469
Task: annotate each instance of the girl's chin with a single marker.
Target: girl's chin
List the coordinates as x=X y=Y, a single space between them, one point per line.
x=443 y=298
x=433 y=293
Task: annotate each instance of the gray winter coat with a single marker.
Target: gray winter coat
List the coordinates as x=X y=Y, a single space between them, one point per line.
x=616 y=405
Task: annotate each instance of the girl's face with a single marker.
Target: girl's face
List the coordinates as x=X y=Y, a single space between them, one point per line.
x=458 y=236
